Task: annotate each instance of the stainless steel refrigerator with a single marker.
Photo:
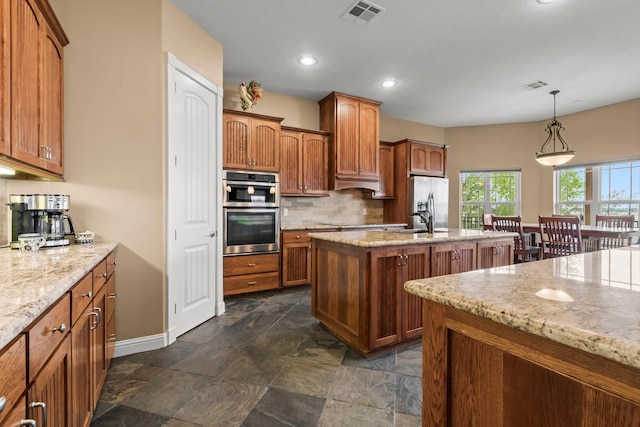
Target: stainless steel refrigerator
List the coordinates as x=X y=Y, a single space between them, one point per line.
x=430 y=194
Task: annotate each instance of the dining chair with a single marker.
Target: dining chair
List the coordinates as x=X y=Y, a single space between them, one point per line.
x=524 y=247
x=560 y=235
x=615 y=221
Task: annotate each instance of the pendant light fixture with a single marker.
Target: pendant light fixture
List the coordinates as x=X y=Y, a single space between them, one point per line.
x=554 y=151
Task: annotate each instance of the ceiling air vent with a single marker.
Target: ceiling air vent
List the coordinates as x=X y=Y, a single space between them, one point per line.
x=362 y=12
x=535 y=85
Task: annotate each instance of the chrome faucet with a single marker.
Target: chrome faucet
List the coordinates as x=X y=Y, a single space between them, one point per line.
x=427 y=221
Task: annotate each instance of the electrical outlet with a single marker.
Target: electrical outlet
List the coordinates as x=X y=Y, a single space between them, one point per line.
x=364 y=211
x=285 y=212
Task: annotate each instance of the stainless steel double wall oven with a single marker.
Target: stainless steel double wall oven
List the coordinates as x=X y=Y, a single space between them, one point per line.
x=251 y=210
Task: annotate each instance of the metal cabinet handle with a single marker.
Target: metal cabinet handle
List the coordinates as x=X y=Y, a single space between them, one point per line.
x=98 y=311
x=251 y=283
x=399 y=259
x=28 y=423
x=95 y=324
x=406 y=259
x=43 y=406
x=87 y=295
x=112 y=337
x=112 y=296
x=251 y=264
x=297 y=236
x=3 y=402
x=62 y=329
x=103 y=275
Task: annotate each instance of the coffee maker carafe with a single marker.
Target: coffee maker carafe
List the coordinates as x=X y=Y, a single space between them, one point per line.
x=44 y=214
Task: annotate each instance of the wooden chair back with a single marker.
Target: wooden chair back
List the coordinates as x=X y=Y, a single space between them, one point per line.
x=560 y=235
x=615 y=221
x=523 y=248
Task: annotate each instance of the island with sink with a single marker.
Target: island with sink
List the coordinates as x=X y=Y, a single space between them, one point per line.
x=552 y=342
x=357 y=279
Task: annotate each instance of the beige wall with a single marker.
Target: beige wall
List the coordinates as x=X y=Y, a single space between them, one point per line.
x=115 y=141
x=607 y=133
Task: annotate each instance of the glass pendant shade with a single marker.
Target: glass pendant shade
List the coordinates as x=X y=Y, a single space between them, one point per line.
x=555 y=151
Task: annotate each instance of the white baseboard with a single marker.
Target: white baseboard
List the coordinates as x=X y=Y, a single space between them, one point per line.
x=138 y=345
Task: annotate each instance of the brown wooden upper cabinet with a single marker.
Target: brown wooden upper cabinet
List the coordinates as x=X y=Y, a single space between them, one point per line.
x=387 y=181
x=31 y=42
x=251 y=141
x=354 y=123
x=304 y=159
x=426 y=159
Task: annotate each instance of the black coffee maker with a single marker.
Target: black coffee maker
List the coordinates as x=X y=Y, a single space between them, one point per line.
x=44 y=214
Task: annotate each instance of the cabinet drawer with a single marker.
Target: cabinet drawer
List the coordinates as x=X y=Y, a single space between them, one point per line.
x=81 y=296
x=13 y=374
x=111 y=263
x=43 y=340
x=251 y=264
x=251 y=283
x=295 y=236
x=99 y=276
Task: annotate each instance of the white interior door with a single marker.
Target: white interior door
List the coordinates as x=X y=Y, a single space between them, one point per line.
x=194 y=217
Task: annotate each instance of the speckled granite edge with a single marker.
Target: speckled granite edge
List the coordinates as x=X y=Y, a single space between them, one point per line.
x=372 y=239
x=31 y=282
x=620 y=350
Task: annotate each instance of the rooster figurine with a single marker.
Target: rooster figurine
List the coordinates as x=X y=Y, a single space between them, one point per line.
x=250 y=95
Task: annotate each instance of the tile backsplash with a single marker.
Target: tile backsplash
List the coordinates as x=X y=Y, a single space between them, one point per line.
x=345 y=207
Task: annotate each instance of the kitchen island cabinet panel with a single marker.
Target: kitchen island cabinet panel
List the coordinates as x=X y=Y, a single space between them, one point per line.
x=495 y=253
x=451 y=258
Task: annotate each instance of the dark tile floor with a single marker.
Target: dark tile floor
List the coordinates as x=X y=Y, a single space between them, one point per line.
x=265 y=362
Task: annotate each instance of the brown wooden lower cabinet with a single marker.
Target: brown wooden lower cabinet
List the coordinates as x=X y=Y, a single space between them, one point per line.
x=479 y=372
x=50 y=393
x=296 y=258
x=357 y=292
x=67 y=352
x=250 y=273
x=495 y=253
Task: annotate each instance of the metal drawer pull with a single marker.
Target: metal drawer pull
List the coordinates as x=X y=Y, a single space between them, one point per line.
x=103 y=275
x=44 y=411
x=251 y=264
x=3 y=402
x=28 y=423
x=62 y=329
x=112 y=296
x=251 y=283
x=98 y=310
x=87 y=295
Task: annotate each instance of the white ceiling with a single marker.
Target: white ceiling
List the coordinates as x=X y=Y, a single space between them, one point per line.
x=457 y=62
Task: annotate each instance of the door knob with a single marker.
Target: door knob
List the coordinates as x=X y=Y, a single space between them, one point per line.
x=213 y=234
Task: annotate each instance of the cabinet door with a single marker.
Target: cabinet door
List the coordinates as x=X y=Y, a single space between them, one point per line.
x=369 y=141
x=98 y=344
x=426 y=159
x=296 y=263
x=387 y=272
x=52 y=387
x=235 y=138
x=53 y=107
x=315 y=161
x=291 y=160
x=264 y=145
x=417 y=267
x=347 y=137
x=453 y=258
x=5 y=78
x=26 y=79
x=81 y=390
x=16 y=416
x=495 y=253
x=386 y=158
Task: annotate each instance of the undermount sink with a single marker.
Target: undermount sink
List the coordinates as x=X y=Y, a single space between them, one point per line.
x=420 y=230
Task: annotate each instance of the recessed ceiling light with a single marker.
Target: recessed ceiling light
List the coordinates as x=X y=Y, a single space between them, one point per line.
x=307 y=60
x=388 y=83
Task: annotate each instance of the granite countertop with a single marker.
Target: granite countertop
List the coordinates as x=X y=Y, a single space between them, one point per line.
x=319 y=226
x=602 y=319
x=31 y=282
x=371 y=239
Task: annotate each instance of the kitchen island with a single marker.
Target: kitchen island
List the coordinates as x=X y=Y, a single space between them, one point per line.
x=548 y=343
x=357 y=278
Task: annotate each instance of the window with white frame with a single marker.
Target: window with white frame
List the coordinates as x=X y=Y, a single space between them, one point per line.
x=598 y=189
x=488 y=192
